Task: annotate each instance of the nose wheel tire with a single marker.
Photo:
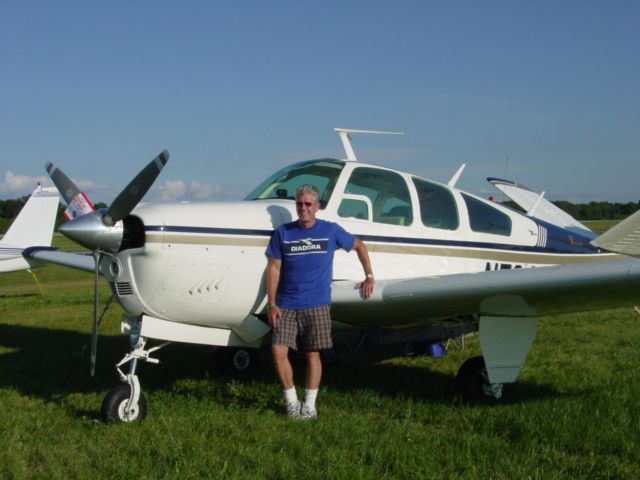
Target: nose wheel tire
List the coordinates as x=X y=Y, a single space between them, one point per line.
x=114 y=406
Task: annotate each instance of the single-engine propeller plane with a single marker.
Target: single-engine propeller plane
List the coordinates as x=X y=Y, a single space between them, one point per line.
x=194 y=272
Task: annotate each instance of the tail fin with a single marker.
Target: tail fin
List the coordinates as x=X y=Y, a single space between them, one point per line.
x=623 y=238
x=34 y=224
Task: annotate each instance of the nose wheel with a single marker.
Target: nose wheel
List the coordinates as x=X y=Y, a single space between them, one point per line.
x=126 y=403
x=118 y=408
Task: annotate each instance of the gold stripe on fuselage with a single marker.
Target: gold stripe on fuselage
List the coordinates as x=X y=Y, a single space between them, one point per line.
x=431 y=250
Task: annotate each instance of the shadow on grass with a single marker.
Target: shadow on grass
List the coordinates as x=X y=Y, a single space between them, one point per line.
x=20 y=295
x=50 y=363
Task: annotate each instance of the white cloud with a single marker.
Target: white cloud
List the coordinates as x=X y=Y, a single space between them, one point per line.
x=169 y=191
x=177 y=190
x=16 y=185
x=201 y=191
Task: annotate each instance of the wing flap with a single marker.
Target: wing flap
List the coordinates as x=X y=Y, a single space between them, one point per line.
x=539 y=207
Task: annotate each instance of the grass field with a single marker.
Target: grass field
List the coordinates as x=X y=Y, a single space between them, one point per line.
x=575 y=413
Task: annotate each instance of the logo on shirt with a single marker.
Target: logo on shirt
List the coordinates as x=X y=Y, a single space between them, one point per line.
x=306 y=245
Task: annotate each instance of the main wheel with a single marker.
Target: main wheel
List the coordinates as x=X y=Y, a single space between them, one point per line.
x=470 y=381
x=238 y=360
x=114 y=406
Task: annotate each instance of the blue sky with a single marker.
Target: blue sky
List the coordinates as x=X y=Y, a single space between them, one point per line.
x=545 y=93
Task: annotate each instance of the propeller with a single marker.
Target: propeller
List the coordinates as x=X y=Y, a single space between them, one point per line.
x=137 y=188
x=101 y=231
x=65 y=186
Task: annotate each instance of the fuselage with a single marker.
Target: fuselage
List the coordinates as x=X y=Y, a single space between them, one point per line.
x=204 y=263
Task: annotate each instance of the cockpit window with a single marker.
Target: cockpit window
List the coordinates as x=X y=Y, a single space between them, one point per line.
x=485 y=218
x=323 y=174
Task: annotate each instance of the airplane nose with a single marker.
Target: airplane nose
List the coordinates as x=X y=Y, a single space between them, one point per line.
x=90 y=231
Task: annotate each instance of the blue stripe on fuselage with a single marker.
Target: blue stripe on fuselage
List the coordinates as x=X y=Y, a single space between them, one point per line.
x=559 y=241
x=562 y=240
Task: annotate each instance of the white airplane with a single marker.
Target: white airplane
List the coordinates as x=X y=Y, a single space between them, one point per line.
x=32 y=227
x=194 y=272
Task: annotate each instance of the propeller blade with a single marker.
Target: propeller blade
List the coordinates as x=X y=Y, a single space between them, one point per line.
x=127 y=200
x=65 y=186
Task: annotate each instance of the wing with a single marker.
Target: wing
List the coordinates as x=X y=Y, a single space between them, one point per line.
x=80 y=261
x=510 y=293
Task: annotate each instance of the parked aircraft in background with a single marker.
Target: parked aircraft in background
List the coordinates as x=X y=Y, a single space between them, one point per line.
x=194 y=272
x=32 y=227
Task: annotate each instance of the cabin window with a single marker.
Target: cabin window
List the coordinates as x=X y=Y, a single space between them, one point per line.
x=387 y=191
x=354 y=208
x=486 y=219
x=437 y=206
x=323 y=174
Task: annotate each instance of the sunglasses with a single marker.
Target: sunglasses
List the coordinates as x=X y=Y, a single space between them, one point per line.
x=305 y=204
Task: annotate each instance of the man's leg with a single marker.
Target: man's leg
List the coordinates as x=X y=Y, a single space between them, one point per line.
x=312 y=383
x=314 y=370
x=282 y=365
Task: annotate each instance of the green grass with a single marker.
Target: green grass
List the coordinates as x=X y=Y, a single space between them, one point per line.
x=600 y=226
x=574 y=413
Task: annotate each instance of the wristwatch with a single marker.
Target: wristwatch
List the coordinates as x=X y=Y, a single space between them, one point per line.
x=369 y=275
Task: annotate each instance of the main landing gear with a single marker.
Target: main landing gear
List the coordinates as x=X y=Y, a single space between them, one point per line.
x=472 y=383
x=237 y=360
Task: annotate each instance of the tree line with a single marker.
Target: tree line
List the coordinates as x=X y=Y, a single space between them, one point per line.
x=592 y=210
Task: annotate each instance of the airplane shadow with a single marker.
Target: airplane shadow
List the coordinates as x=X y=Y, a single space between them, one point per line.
x=50 y=363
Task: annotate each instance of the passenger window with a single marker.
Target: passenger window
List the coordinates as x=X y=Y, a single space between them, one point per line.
x=437 y=206
x=485 y=218
x=352 y=208
x=387 y=192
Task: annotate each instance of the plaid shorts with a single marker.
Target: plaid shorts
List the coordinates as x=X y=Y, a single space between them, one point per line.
x=311 y=325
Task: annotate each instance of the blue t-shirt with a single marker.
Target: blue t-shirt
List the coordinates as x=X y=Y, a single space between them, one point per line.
x=307 y=262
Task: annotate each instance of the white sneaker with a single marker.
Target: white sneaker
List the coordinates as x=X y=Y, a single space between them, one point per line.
x=308 y=413
x=293 y=409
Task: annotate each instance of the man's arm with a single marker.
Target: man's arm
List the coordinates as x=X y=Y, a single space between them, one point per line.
x=273 y=279
x=366 y=287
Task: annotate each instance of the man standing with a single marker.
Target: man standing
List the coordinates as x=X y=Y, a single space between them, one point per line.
x=299 y=277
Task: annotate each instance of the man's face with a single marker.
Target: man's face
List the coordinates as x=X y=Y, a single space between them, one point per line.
x=307 y=206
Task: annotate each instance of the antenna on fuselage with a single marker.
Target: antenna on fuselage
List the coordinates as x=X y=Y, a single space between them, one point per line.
x=345 y=136
x=456 y=176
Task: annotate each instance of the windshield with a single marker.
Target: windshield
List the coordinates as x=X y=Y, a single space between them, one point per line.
x=323 y=174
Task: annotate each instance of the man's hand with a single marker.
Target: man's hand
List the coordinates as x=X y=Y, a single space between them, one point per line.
x=366 y=287
x=274 y=314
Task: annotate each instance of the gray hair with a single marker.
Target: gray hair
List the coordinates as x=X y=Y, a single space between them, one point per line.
x=308 y=189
